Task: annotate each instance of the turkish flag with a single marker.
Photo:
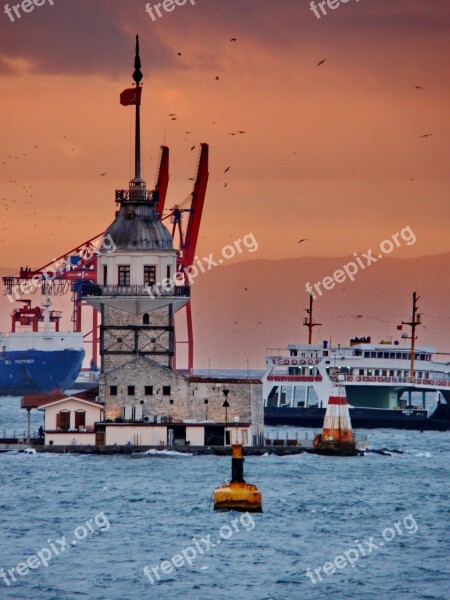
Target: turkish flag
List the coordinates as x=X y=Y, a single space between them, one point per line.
x=131 y=96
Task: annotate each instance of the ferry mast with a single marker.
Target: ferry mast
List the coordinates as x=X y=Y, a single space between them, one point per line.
x=309 y=321
x=415 y=321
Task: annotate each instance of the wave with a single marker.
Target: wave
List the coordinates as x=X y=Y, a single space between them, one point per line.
x=166 y=453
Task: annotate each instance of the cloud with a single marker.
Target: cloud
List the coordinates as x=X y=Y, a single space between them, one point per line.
x=83 y=37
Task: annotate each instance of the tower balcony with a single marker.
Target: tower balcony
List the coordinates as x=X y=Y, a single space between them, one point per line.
x=137 y=194
x=136 y=299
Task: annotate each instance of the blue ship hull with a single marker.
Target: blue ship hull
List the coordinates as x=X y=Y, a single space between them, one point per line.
x=38 y=372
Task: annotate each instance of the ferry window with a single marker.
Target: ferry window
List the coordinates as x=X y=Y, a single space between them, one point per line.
x=149 y=274
x=384 y=372
x=80 y=419
x=379 y=355
x=325 y=352
x=385 y=354
x=392 y=355
x=427 y=375
x=361 y=371
x=148 y=390
x=145 y=319
x=131 y=390
x=293 y=352
x=391 y=373
x=377 y=372
x=422 y=357
x=124 y=275
x=373 y=355
x=357 y=352
x=63 y=420
x=405 y=357
x=399 y=373
x=113 y=390
x=366 y=354
x=166 y=390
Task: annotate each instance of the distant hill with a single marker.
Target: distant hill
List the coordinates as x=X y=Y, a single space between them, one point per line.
x=270 y=313
x=276 y=298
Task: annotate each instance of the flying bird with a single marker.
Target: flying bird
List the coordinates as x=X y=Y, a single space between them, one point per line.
x=302 y=240
x=217 y=78
x=193 y=148
x=246 y=289
x=418 y=87
x=233 y=40
x=179 y=53
x=425 y=135
x=227 y=169
x=321 y=62
x=102 y=174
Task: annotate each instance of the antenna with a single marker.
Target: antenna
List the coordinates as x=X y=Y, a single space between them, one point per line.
x=309 y=321
x=415 y=321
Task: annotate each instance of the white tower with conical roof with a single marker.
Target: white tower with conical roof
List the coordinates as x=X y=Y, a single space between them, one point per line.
x=137 y=292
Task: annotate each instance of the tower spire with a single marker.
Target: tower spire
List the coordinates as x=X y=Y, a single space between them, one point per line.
x=137 y=76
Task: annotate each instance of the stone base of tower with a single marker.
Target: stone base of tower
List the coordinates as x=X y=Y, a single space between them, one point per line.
x=124 y=336
x=145 y=391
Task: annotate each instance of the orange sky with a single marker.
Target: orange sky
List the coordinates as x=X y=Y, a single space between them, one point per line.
x=331 y=153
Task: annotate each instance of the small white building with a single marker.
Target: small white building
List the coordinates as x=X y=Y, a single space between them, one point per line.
x=71 y=420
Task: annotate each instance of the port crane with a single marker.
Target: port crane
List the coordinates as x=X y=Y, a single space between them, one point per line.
x=68 y=271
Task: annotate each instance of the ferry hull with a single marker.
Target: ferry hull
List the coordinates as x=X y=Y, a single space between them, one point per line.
x=38 y=372
x=363 y=418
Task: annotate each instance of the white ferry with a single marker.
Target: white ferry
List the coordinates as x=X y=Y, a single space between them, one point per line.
x=381 y=387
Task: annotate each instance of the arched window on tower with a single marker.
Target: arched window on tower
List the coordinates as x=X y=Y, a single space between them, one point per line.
x=146 y=319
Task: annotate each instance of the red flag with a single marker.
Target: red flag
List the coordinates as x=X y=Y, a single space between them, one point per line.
x=131 y=96
x=399 y=327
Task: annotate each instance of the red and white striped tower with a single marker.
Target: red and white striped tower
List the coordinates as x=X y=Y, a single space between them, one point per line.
x=337 y=426
x=337 y=435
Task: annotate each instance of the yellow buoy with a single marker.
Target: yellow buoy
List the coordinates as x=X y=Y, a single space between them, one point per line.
x=237 y=495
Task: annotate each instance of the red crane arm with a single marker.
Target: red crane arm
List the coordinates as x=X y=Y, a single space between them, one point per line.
x=162 y=181
x=195 y=215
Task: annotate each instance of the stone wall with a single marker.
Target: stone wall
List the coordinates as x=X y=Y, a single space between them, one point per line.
x=190 y=399
x=124 y=340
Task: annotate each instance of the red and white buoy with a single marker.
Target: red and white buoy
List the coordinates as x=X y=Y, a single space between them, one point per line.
x=337 y=436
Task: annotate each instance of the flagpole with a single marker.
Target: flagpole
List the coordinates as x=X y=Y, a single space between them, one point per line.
x=137 y=76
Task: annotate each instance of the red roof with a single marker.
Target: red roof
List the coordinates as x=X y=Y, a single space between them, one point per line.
x=36 y=400
x=204 y=379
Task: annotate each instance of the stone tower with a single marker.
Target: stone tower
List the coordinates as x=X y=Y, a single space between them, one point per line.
x=137 y=292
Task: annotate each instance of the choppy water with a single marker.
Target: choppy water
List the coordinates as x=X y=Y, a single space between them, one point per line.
x=314 y=510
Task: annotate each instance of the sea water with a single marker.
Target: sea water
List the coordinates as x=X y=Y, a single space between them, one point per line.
x=138 y=511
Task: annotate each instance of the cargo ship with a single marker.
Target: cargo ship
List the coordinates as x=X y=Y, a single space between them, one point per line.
x=386 y=384
x=35 y=361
